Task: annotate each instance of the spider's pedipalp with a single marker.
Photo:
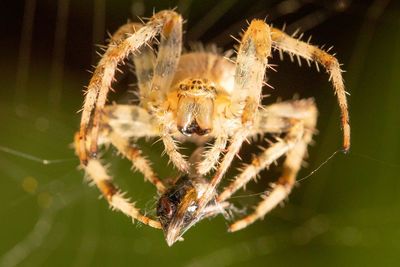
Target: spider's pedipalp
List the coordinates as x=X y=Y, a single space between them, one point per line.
x=212 y=155
x=170 y=144
x=282 y=41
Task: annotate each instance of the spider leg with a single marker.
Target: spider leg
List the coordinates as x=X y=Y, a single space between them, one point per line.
x=124 y=122
x=129 y=121
x=284 y=42
x=116 y=199
x=139 y=162
x=167 y=60
x=155 y=77
x=168 y=55
x=144 y=60
x=144 y=70
x=280 y=190
x=100 y=83
x=119 y=123
x=294 y=145
x=252 y=60
x=98 y=174
x=262 y=161
x=276 y=118
x=218 y=208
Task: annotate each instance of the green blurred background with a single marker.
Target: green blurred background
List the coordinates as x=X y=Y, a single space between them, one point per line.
x=345 y=214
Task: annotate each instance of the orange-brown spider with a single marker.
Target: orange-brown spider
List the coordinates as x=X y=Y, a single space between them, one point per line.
x=199 y=96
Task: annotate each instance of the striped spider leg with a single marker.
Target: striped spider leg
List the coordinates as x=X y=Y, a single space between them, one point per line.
x=120 y=123
x=169 y=25
x=295 y=118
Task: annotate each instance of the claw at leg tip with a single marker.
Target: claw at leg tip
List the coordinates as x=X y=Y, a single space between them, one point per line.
x=346 y=146
x=237 y=226
x=233 y=228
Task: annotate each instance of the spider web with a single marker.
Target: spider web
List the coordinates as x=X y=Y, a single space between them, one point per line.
x=49 y=217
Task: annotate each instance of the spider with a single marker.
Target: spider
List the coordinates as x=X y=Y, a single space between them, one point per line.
x=201 y=97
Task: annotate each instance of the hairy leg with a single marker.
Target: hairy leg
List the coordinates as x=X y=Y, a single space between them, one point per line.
x=97 y=173
x=139 y=162
x=144 y=62
x=167 y=60
x=254 y=49
x=293 y=46
x=100 y=83
x=212 y=155
x=168 y=54
x=120 y=123
x=277 y=118
x=129 y=121
x=298 y=119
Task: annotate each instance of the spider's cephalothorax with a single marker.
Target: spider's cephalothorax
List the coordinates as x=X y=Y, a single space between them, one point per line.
x=201 y=97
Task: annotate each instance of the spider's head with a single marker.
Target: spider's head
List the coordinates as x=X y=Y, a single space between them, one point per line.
x=176 y=209
x=195 y=106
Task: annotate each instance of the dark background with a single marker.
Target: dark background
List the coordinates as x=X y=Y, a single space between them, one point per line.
x=346 y=213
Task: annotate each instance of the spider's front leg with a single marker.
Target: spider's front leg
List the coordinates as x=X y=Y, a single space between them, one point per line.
x=154 y=79
x=168 y=55
x=293 y=46
x=252 y=61
x=103 y=75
